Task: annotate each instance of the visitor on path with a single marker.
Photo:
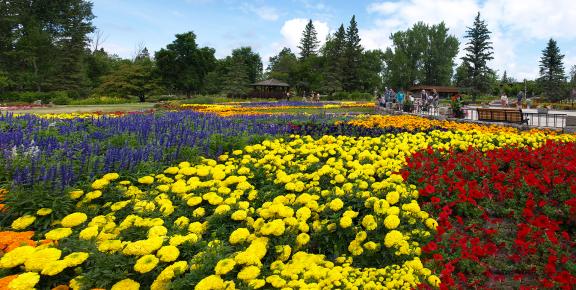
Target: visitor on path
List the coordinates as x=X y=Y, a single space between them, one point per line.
x=400 y=98
x=435 y=98
x=504 y=100
x=520 y=96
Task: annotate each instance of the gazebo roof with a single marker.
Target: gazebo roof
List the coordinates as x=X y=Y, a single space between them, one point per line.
x=271 y=83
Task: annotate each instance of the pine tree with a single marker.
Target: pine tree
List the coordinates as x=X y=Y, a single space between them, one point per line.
x=334 y=61
x=353 y=54
x=309 y=41
x=504 y=78
x=479 y=51
x=552 y=71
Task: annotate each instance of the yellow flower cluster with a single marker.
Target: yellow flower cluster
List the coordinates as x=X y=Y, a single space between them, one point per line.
x=233 y=109
x=410 y=122
x=288 y=213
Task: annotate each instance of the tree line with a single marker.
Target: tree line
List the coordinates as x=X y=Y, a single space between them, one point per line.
x=53 y=46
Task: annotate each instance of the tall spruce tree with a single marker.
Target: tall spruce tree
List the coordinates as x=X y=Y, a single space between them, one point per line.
x=552 y=76
x=334 y=61
x=309 y=41
x=353 y=55
x=479 y=51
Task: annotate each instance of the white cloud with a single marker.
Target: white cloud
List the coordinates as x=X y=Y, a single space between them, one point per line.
x=264 y=12
x=293 y=28
x=514 y=24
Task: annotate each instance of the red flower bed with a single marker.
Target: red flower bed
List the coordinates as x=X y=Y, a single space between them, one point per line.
x=506 y=217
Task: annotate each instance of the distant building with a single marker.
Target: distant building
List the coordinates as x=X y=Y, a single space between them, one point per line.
x=271 y=88
x=443 y=92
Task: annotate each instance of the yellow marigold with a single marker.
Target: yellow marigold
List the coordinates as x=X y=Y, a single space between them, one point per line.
x=171 y=170
x=111 y=176
x=75 y=259
x=199 y=212
x=257 y=283
x=239 y=235
x=44 y=211
x=126 y=284
x=239 y=215
x=23 y=222
x=212 y=282
x=168 y=253
x=345 y=222
x=157 y=231
x=54 y=268
x=369 y=222
x=182 y=222
x=16 y=257
x=434 y=280
x=146 y=263
x=392 y=197
x=93 y=194
x=302 y=239
x=110 y=246
x=336 y=204
x=431 y=223
x=74 y=219
x=40 y=258
x=224 y=266
x=392 y=238
x=24 y=281
x=146 y=179
x=100 y=183
x=249 y=273
x=391 y=222
x=58 y=234
x=370 y=246
x=76 y=194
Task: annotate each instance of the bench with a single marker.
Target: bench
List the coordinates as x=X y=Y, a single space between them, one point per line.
x=501 y=115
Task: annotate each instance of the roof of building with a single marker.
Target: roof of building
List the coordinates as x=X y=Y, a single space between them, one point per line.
x=271 y=83
x=440 y=89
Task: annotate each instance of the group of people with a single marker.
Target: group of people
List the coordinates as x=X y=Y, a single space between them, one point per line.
x=314 y=97
x=504 y=99
x=396 y=99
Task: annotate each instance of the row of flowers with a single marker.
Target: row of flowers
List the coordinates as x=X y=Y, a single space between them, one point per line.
x=234 y=109
x=506 y=217
x=295 y=212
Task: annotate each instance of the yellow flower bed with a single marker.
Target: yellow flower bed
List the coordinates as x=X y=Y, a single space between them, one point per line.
x=296 y=213
x=233 y=109
x=414 y=122
x=67 y=116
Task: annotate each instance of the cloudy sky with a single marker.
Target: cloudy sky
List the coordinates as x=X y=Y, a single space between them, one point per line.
x=520 y=28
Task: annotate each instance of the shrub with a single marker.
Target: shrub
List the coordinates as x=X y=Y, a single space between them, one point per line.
x=199 y=100
x=102 y=100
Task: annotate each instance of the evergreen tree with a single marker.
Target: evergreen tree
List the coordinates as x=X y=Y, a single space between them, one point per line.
x=236 y=80
x=552 y=71
x=334 y=61
x=309 y=41
x=573 y=75
x=353 y=55
x=131 y=79
x=479 y=51
x=504 y=79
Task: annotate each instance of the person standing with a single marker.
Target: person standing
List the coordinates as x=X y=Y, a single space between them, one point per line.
x=504 y=100
x=400 y=98
x=520 y=96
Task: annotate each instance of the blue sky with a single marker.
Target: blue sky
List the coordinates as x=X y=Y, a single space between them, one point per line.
x=521 y=28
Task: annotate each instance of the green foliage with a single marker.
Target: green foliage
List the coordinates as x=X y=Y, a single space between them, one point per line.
x=422 y=54
x=102 y=100
x=309 y=41
x=479 y=51
x=199 y=100
x=131 y=79
x=183 y=66
x=62 y=100
x=552 y=77
x=283 y=66
x=353 y=56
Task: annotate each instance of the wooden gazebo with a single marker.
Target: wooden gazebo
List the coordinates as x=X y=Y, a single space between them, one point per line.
x=443 y=91
x=271 y=88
